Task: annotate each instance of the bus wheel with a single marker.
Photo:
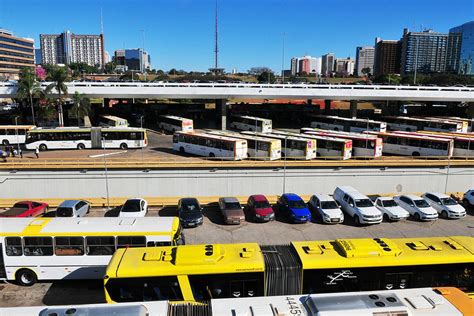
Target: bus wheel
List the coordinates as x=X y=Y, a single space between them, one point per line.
x=123 y=146
x=181 y=150
x=416 y=154
x=26 y=277
x=43 y=147
x=212 y=155
x=81 y=146
x=5 y=142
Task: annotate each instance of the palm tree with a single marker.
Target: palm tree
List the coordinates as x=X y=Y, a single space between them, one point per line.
x=81 y=106
x=58 y=76
x=28 y=87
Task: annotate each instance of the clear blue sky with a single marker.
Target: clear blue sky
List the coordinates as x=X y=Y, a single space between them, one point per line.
x=180 y=33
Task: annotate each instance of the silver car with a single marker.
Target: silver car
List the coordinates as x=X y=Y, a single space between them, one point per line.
x=231 y=210
x=446 y=206
x=417 y=207
x=73 y=208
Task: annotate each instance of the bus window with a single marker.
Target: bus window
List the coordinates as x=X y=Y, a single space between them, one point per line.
x=13 y=246
x=100 y=246
x=131 y=241
x=38 y=246
x=144 y=289
x=69 y=246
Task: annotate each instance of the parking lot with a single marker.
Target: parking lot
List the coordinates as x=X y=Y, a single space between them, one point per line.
x=214 y=230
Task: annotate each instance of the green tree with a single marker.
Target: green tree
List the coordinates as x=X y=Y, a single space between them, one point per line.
x=59 y=77
x=81 y=106
x=266 y=76
x=109 y=67
x=28 y=87
x=366 y=71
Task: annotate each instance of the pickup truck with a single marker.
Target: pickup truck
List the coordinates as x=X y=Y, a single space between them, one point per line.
x=26 y=209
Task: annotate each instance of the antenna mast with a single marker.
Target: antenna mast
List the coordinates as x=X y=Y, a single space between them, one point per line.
x=216 y=43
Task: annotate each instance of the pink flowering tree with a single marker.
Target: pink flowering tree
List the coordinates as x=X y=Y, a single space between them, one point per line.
x=40 y=73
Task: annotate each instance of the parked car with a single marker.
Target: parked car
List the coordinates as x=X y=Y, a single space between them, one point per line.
x=231 y=210
x=260 y=209
x=445 y=205
x=324 y=206
x=136 y=207
x=357 y=205
x=390 y=209
x=26 y=209
x=468 y=198
x=294 y=208
x=73 y=208
x=417 y=207
x=190 y=212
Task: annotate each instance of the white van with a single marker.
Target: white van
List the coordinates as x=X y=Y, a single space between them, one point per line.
x=357 y=205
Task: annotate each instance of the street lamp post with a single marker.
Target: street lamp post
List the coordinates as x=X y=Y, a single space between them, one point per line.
x=106 y=176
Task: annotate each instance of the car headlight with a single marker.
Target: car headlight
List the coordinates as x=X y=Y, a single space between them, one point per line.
x=258 y=215
x=326 y=216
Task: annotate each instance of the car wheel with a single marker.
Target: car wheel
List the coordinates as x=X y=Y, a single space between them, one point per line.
x=181 y=150
x=444 y=215
x=123 y=146
x=212 y=155
x=26 y=277
x=417 y=216
x=415 y=154
x=81 y=146
x=356 y=220
x=386 y=218
x=43 y=147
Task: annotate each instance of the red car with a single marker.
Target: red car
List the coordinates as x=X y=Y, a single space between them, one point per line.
x=26 y=209
x=259 y=209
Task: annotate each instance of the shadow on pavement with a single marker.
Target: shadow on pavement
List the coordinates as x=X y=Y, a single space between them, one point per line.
x=114 y=212
x=212 y=212
x=69 y=292
x=168 y=211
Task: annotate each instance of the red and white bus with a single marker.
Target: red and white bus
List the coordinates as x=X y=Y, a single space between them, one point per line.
x=171 y=123
x=363 y=145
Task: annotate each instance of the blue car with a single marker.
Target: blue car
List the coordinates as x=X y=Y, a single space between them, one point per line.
x=294 y=208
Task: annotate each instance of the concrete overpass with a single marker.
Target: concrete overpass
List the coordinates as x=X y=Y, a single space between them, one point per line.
x=220 y=91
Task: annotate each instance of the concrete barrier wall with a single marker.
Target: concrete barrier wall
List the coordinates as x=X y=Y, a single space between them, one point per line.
x=221 y=182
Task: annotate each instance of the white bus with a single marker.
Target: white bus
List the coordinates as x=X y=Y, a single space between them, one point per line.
x=213 y=146
x=413 y=124
x=328 y=147
x=363 y=145
x=251 y=123
x=347 y=124
x=75 y=248
x=114 y=121
x=257 y=147
x=292 y=147
x=14 y=134
x=415 y=145
x=171 y=123
x=86 y=138
x=467 y=124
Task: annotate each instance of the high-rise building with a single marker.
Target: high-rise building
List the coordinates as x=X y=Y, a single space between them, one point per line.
x=294 y=66
x=38 y=58
x=328 y=64
x=66 y=48
x=424 y=51
x=461 y=38
x=387 y=57
x=344 y=66
x=132 y=59
x=15 y=53
x=305 y=65
x=364 y=59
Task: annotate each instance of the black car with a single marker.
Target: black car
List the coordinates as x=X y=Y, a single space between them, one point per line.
x=190 y=212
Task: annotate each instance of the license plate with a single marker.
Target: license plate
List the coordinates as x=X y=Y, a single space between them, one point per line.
x=192 y=224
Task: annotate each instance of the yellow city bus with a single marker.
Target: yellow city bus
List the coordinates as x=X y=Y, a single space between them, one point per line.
x=202 y=272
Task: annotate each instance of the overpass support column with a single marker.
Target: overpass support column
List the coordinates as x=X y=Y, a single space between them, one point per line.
x=353 y=109
x=221 y=112
x=327 y=106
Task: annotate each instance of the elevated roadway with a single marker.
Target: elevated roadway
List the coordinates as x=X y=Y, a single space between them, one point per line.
x=220 y=91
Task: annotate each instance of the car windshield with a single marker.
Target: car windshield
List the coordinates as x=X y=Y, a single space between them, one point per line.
x=329 y=205
x=389 y=203
x=448 y=201
x=232 y=205
x=21 y=205
x=364 y=203
x=297 y=204
x=64 y=212
x=262 y=204
x=421 y=203
x=189 y=207
x=131 y=206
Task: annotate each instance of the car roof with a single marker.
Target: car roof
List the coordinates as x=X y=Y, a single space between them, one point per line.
x=413 y=197
x=323 y=197
x=69 y=203
x=385 y=198
x=230 y=199
x=259 y=198
x=438 y=194
x=292 y=196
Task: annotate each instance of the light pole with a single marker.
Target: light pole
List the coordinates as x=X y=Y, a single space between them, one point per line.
x=106 y=176
x=16 y=132
x=284 y=168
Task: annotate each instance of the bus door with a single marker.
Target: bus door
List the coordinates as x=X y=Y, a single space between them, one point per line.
x=395 y=281
x=3 y=273
x=96 y=136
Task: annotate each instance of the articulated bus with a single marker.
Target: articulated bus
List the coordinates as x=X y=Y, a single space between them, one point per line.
x=415 y=145
x=363 y=145
x=347 y=124
x=440 y=301
x=86 y=137
x=251 y=123
x=203 y=272
x=413 y=124
x=292 y=147
x=75 y=248
x=14 y=134
x=463 y=145
x=257 y=147
x=213 y=146
x=328 y=146
x=113 y=121
x=171 y=123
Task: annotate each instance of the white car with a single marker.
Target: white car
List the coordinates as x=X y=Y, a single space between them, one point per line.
x=325 y=207
x=446 y=206
x=417 y=207
x=468 y=198
x=136 y=207
x=357 y=205
x=390 y=209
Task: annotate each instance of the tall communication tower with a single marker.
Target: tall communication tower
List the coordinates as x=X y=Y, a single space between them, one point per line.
x=216 y=70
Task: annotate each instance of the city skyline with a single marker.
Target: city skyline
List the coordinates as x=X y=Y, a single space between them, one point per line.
x=181 y=34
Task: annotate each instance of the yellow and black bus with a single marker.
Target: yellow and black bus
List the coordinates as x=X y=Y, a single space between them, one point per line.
x=203 y=272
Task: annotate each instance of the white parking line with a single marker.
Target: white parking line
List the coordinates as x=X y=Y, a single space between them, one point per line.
x=108 y=154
